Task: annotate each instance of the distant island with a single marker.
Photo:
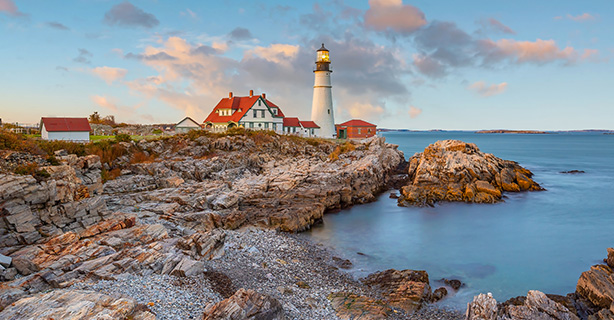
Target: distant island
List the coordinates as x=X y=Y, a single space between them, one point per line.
x=514 y=131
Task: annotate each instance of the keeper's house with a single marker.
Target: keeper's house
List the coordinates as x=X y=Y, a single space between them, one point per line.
x=251 y=112
x=70 y=129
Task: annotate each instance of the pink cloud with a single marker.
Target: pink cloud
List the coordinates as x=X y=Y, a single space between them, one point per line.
x=487 y=90
x=109 y=74
x=393 y=15
x=539 y=51
x=9 y=7
x=582 y=17
x=414 y=112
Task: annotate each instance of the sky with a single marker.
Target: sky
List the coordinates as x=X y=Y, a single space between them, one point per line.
x=455 y=65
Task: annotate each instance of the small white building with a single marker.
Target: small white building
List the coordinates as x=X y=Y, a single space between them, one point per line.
x=301 y=128
x=187 y=125
x=70 y=129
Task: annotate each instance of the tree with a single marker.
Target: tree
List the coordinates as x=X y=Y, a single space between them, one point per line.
x=94 y=117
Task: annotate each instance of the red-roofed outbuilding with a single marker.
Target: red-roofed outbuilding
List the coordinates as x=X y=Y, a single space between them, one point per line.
x=72 y=129
x=355 y=129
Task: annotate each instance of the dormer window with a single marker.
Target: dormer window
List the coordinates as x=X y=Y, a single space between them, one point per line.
x=274 y=110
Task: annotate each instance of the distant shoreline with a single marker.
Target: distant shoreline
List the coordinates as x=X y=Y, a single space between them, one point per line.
x=514 y=131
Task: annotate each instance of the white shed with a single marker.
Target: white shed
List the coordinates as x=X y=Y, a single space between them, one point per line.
x=186 y=125
x=71 y=129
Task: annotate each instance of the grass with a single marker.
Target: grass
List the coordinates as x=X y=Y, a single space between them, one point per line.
x=342 y=148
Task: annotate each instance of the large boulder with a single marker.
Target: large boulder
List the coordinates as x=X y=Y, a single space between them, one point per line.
x=405 y=289
x=453 y=170
x=245 y=304
x=597 y=285
x=355 y=307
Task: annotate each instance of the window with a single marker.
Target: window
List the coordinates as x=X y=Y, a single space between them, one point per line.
x=328 y=111
x=259 y=103
x=274 y=111
x=358 y=130
x=260 y=125
x=369 y=130
x=266 y=125
x=274 y=126
x=255 y=113
x=251 y=124
x=262 y=113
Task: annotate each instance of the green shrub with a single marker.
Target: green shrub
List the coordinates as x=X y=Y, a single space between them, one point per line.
x=123 y=137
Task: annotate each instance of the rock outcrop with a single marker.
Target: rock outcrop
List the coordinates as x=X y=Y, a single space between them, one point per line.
x=76 y=304
x=245 y=304
x=536 y=306
x=69 y=199
x=453 y=170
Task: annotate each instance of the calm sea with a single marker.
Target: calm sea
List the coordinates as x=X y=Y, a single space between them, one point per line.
x=534 y=240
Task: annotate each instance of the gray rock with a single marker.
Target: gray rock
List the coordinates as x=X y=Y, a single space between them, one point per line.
x=483 y=307
x=24 y=266
x=5 y=261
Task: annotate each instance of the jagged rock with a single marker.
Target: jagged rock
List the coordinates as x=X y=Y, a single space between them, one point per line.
x=483 y=307
x=24 y=266
x=209 y=245
x=342 y=263
x=5 y=261
x=74 y=304
x=453 y=170
x=349 y=306
x=603 y=314
x=455 y=284
x=187 y=268
x=405 y=289
x=245 y=304
x=9 y=274
x=610 y=259
x=439 y=294
x=597 y=285
x=539 y=307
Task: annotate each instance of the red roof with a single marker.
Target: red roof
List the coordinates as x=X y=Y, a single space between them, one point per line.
x=65 y=124
x=292 y=122
x=239 y=106
x=356 y=123
x=309 y=124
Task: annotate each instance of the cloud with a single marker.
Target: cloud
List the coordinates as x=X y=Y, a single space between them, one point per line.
x=429 y=66
x=414 y=112
x=487 y=90
x=365 y=111
x=9 y=7
x=105 y=103
x=581 y=18
x=393 y=17
x=189 y=13
x=494 y=25
x=60 y=68
x=126 y=14
x=240 y=34
x=83 y=56
x=278 y=53
x=57 y=25
x=156 y=56
x=538 y=51
x=109 y=74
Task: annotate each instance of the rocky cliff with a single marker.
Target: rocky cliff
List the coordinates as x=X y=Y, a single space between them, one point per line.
x=453 y=170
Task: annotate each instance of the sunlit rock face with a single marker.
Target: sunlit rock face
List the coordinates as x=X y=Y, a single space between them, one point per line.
x=453 y=170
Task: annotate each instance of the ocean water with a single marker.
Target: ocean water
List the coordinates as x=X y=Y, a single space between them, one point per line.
x=533 y=240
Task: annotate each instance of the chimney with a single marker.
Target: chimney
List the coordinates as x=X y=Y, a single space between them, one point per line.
x=251 y=93
x=263 y=95
x=230 y=94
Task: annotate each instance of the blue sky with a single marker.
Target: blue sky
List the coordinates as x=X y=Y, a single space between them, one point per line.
x=399 y=64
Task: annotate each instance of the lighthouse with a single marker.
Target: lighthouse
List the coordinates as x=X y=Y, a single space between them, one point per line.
x=322 y=111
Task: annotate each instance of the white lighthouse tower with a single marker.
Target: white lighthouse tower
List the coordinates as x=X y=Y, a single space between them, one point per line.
x=322 y=112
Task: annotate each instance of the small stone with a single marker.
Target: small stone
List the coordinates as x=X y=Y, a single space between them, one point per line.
x=303 y=285
x=9 y=274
